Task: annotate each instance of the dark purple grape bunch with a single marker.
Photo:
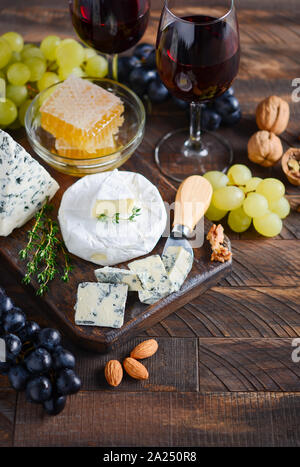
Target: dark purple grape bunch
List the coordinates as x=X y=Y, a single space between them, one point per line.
x=224 y=110
x=140 y=74
x=36 y=362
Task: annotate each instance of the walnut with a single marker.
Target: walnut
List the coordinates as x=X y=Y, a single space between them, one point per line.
x=215 y=237
x=264 y=148
x=291 y=165
x=273 y=114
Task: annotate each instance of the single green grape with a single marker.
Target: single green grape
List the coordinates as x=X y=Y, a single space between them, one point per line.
x=228 y=198
x=17 y=94
x=238 y=220
x=31 y=52
x=281 y=207
x=215 y=214
x=48 y=47
x=268 y=225
x=15 y=40
x=37 y=68
x=240 y=174
x=252 y=184
x=18 y=74
x=96 y=67
x=69 y=54
x=271 y=188
x=47 y=80
x=89 y=53
x=8 y=112
x=22 y=111
x=255 y=205
x=217 y=179
x=63 y=73
x=5 y=52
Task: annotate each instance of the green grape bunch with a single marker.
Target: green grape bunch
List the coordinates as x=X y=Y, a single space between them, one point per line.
x=247 y=199
x=27 y=69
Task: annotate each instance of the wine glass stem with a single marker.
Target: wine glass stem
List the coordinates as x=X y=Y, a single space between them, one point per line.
x=193 y=146
x=112 y=60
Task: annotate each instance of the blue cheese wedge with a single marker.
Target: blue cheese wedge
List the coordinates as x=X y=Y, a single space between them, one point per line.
x=119 y=276
x=155 y=282
x=101 y=304
x=178 y=263
x=24 y=185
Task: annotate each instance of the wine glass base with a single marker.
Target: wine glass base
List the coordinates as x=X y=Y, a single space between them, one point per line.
x=177 y=161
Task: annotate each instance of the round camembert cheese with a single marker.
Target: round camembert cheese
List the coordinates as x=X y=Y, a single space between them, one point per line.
x=112 y=217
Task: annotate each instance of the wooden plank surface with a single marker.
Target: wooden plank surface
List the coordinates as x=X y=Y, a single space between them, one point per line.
x=164 y=419
x=223 y=375
x=247 y=365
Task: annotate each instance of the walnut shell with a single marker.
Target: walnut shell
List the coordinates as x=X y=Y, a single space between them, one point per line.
x=264 y=148
x=273 y=114
x=291 y=165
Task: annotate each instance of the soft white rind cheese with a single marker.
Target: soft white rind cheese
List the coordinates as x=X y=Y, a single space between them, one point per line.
x=156 y=283
x=100 y=304
x=119 y=276
x=24 y=185
x=178 y=263
x=108 y=243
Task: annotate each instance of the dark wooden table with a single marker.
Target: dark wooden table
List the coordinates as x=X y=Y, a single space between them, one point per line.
x=223 y=375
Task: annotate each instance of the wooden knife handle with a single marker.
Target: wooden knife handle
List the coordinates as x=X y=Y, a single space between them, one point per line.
x=192 y=201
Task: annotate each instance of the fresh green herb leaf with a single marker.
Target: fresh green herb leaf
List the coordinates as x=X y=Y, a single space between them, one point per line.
x=116 y=217
x=45 y=247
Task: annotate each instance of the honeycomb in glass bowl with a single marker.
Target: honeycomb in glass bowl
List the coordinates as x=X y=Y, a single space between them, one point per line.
x=82 y=114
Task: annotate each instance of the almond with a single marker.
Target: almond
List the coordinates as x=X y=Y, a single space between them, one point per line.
x=135 y=369
x=113 y=372
x=144 y=349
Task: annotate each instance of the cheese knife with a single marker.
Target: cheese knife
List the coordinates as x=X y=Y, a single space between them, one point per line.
x=192 y=201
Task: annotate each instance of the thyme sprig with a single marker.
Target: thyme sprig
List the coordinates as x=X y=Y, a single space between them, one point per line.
x=44 y=247
x=116 y=217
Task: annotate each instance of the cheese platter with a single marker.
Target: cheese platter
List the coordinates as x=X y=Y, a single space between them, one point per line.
x=61 y=298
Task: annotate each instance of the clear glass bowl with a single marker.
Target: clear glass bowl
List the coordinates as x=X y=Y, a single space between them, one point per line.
x=128 y=139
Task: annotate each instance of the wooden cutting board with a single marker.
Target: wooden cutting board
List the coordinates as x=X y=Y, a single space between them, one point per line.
x=61 y=297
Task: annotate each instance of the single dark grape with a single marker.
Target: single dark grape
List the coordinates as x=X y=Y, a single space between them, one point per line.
x=62 y=358
x=157 y=91
x=38 y=389
x=210 y=120
x=233 y=118
x=14 y=321
x=55 y=405
x=18 y=377
x=49 y=338
x=29 y=332
x=38 y=361
x=6 y=304
x=67 y=382
x=143 y=50
x=140 y=78
x=226 y=105
x=150 y=60
x=229 y=92
x=13 y=346
x=126 y=65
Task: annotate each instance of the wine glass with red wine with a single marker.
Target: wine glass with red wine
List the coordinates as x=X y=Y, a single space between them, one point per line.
x=110 y=26
x=197 y=56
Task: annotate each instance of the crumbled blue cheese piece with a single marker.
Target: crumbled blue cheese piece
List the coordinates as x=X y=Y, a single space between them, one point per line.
x=156 y=282
x=101 y=304
x=119 y=276
x=24 y=185
x=178 y=263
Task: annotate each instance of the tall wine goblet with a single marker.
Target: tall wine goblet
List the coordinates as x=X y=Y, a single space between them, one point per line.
x=197 y=56
x=110 y=26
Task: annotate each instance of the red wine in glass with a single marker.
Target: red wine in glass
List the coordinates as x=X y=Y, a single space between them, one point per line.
x=197 y=58
x=110 y=26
